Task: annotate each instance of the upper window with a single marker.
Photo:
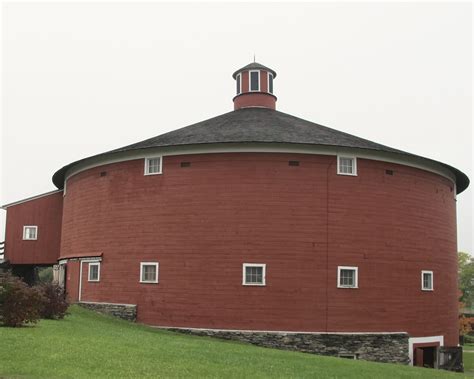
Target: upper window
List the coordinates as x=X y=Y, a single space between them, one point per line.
x=30 y=232
x=253 y=274
x=427 y=280
x=153 y=166
x=149 y=272
x=347 y=277
x=94 y=271
x=254 y=80
x=346 y=165
x=270 y=82
x=238 y=80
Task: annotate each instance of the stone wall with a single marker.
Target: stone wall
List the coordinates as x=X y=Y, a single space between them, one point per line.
x=392 y=347
x=125 y=311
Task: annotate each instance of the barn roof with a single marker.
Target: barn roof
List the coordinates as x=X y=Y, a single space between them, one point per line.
x=260 y=125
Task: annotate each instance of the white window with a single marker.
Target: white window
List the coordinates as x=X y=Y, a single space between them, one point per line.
x=153 y=166
x=238 y=80
x=149 y=272
x=346 y=165
x=348 y=356
x=347 y=277
x=254 y=274
x=94 y=271
x=427 y=280
x=30 y=232
x=270 y=82
x=254 y=80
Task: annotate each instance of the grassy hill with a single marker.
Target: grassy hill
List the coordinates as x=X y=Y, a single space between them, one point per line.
x=89 y=345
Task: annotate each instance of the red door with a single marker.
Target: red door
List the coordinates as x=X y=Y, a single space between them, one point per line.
x=419 y=357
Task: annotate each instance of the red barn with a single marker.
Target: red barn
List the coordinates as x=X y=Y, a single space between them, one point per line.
x=260 y=226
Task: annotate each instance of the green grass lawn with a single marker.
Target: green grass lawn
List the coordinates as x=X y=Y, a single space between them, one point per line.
x=89 y=345
x=468 y=347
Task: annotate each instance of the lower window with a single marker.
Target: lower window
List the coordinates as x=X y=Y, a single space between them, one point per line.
x=254 y=274
x=149 y=272
x=94 y=272
x=348 y=356
x=427 y=280
x=347 y=277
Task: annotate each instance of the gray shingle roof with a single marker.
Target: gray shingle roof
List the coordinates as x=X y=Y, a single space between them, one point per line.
x=254 y=66
x=260 y=125
x=257 y=125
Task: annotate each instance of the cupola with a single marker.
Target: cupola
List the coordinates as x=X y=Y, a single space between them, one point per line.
x=254 y=87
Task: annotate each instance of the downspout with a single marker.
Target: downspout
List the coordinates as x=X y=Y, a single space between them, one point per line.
x=327 y=244
x=80 y=279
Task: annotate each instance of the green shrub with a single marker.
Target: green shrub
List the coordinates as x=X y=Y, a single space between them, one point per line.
x=55 y=304
x=19 y=303
x=45 y=274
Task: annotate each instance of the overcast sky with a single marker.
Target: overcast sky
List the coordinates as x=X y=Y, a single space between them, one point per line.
x=80 y=79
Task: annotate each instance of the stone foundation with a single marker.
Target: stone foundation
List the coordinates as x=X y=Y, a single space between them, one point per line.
x=124 y=311
x=389 y=347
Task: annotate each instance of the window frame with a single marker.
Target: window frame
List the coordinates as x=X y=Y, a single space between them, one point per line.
x=157 y=265
x=250 y=81
x=238 y=79
x=147 y=165
x=25 y=227
x=268 y=82
x=423 y=288
x=354 y=160
x=347 y=356
x=89 y=272
x=264 y=273
x=356 y=277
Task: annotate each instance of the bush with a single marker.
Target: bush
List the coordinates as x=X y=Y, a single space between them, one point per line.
x=45 y=274
x=55 y=304
x=19 y=303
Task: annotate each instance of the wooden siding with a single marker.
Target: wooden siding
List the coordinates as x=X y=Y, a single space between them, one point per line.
x=202 y=222
x=46 y=213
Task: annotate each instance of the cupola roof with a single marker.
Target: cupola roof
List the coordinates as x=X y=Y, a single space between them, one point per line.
x=254 y=66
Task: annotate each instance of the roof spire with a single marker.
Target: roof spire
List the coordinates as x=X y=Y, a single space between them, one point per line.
x=253 y=57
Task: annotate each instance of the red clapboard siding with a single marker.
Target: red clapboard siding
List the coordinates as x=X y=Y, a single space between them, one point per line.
x=202 y=222
x=46 y=213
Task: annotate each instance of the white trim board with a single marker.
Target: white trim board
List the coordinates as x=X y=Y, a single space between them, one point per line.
x=409 y=161
x=414 y=340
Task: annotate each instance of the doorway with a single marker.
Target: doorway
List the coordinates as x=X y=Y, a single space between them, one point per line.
x=426 y=356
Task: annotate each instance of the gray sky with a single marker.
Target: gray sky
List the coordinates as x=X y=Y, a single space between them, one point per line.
x=80 y=79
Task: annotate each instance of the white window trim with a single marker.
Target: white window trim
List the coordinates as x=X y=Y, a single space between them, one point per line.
x=250 y=81
x=422 y=281
x=89 y=272
x=147 y=160
x=339 y=165
x=24 y=232
x=268 y=81
x=156 y=264
x=356 y=279
x=348 y=356
x=239 y=78
x=264 y=271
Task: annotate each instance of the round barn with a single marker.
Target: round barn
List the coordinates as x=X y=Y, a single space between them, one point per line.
x=261 y=226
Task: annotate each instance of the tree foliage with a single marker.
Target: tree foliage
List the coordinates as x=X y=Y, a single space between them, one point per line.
x=466 y=278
